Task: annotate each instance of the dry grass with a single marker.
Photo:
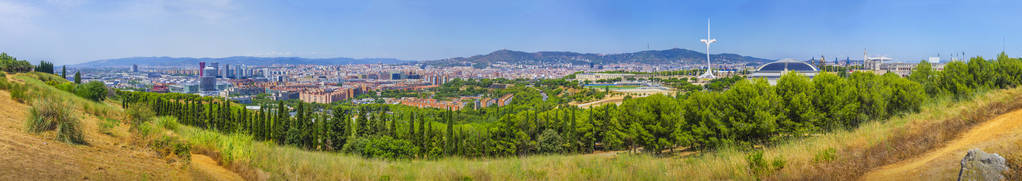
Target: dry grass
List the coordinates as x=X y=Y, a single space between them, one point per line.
x=1014 y=159
x=877 y=144
x=28 y=156
x=843 y=154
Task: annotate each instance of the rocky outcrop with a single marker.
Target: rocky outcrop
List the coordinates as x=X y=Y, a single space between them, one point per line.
x=979 y=165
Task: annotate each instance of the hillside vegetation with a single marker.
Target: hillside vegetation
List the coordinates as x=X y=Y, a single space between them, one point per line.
x=47 y=133
x=828 y=127
x=824 y=156
x=838 y=127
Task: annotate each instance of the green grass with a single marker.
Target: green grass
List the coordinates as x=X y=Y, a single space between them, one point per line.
x=53 y=108
x=107 y=125
x=227 y=147
x=167 y=122
x=36 y=88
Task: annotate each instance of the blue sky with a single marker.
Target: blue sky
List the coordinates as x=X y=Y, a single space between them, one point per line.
x=72 y=31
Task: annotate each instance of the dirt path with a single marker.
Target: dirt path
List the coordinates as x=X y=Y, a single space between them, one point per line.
x=992 y=136
x=606 y=100
x=209 y=168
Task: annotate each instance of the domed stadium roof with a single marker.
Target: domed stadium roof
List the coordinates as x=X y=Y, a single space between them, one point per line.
x=787 y=65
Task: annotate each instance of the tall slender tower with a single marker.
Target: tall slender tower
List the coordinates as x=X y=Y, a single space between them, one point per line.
x=709 y=72
x=202 y=66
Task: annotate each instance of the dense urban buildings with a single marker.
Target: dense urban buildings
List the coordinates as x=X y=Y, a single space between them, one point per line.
x=327 y=84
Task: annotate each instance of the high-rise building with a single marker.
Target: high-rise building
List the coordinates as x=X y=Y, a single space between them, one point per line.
x=395 y=76
x=134 y=67
x=227 y=71
x=202 y=66
x=240 y=71
x=207 y=82
x=216 y=69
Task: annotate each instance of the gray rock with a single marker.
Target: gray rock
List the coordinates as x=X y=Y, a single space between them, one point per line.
x=979 y=165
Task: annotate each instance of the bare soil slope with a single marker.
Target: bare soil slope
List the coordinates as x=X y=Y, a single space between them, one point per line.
x=39 y=157
x=992 y=136
x=207 y=168
x=26 y=156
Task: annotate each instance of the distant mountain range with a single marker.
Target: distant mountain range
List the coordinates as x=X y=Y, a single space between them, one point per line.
x=669 y=56
x=656 y=57
x=178 y=61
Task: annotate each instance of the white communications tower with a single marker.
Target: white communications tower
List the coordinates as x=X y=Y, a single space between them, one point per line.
x=709 y=72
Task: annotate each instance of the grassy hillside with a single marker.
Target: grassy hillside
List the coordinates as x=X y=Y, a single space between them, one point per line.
x=110 y=149
x=840 y=154
x=40 y=156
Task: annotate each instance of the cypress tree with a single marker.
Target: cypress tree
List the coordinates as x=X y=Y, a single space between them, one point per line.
x=422 y=131
x=411 y=128
x=78 y=77
x=281 y=124
x=450 y=133
x=393 y=128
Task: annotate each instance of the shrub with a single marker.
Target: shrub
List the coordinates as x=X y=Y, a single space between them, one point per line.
x=170 y=146
x=3 y=81
x=70 y=132
x=18 y=92
x=758 y=165
x=139 y=114
x=66 y=86
x=50 y=114
x=550 y=142
x=143 y=132
x=167 y=122
x=383 y=147
x=825 y=155
x=778 y=163
x=37 y=121
x=94 y=91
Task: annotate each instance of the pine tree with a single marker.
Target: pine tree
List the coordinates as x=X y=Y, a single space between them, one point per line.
x=63 y=72
x=339 y=129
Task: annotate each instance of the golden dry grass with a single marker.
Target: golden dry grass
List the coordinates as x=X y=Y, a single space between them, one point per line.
x=854 y=152
x=108 y=156
x=28 y=156
x=943 y=163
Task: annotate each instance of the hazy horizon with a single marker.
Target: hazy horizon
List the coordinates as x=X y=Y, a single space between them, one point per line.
x=76 y=31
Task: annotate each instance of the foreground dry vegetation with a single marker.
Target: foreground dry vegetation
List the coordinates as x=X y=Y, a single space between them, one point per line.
x=110 y=154
x=102 y=147
x=836 y=155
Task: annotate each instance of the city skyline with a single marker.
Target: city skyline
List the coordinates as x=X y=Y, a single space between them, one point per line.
x=75 y=31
